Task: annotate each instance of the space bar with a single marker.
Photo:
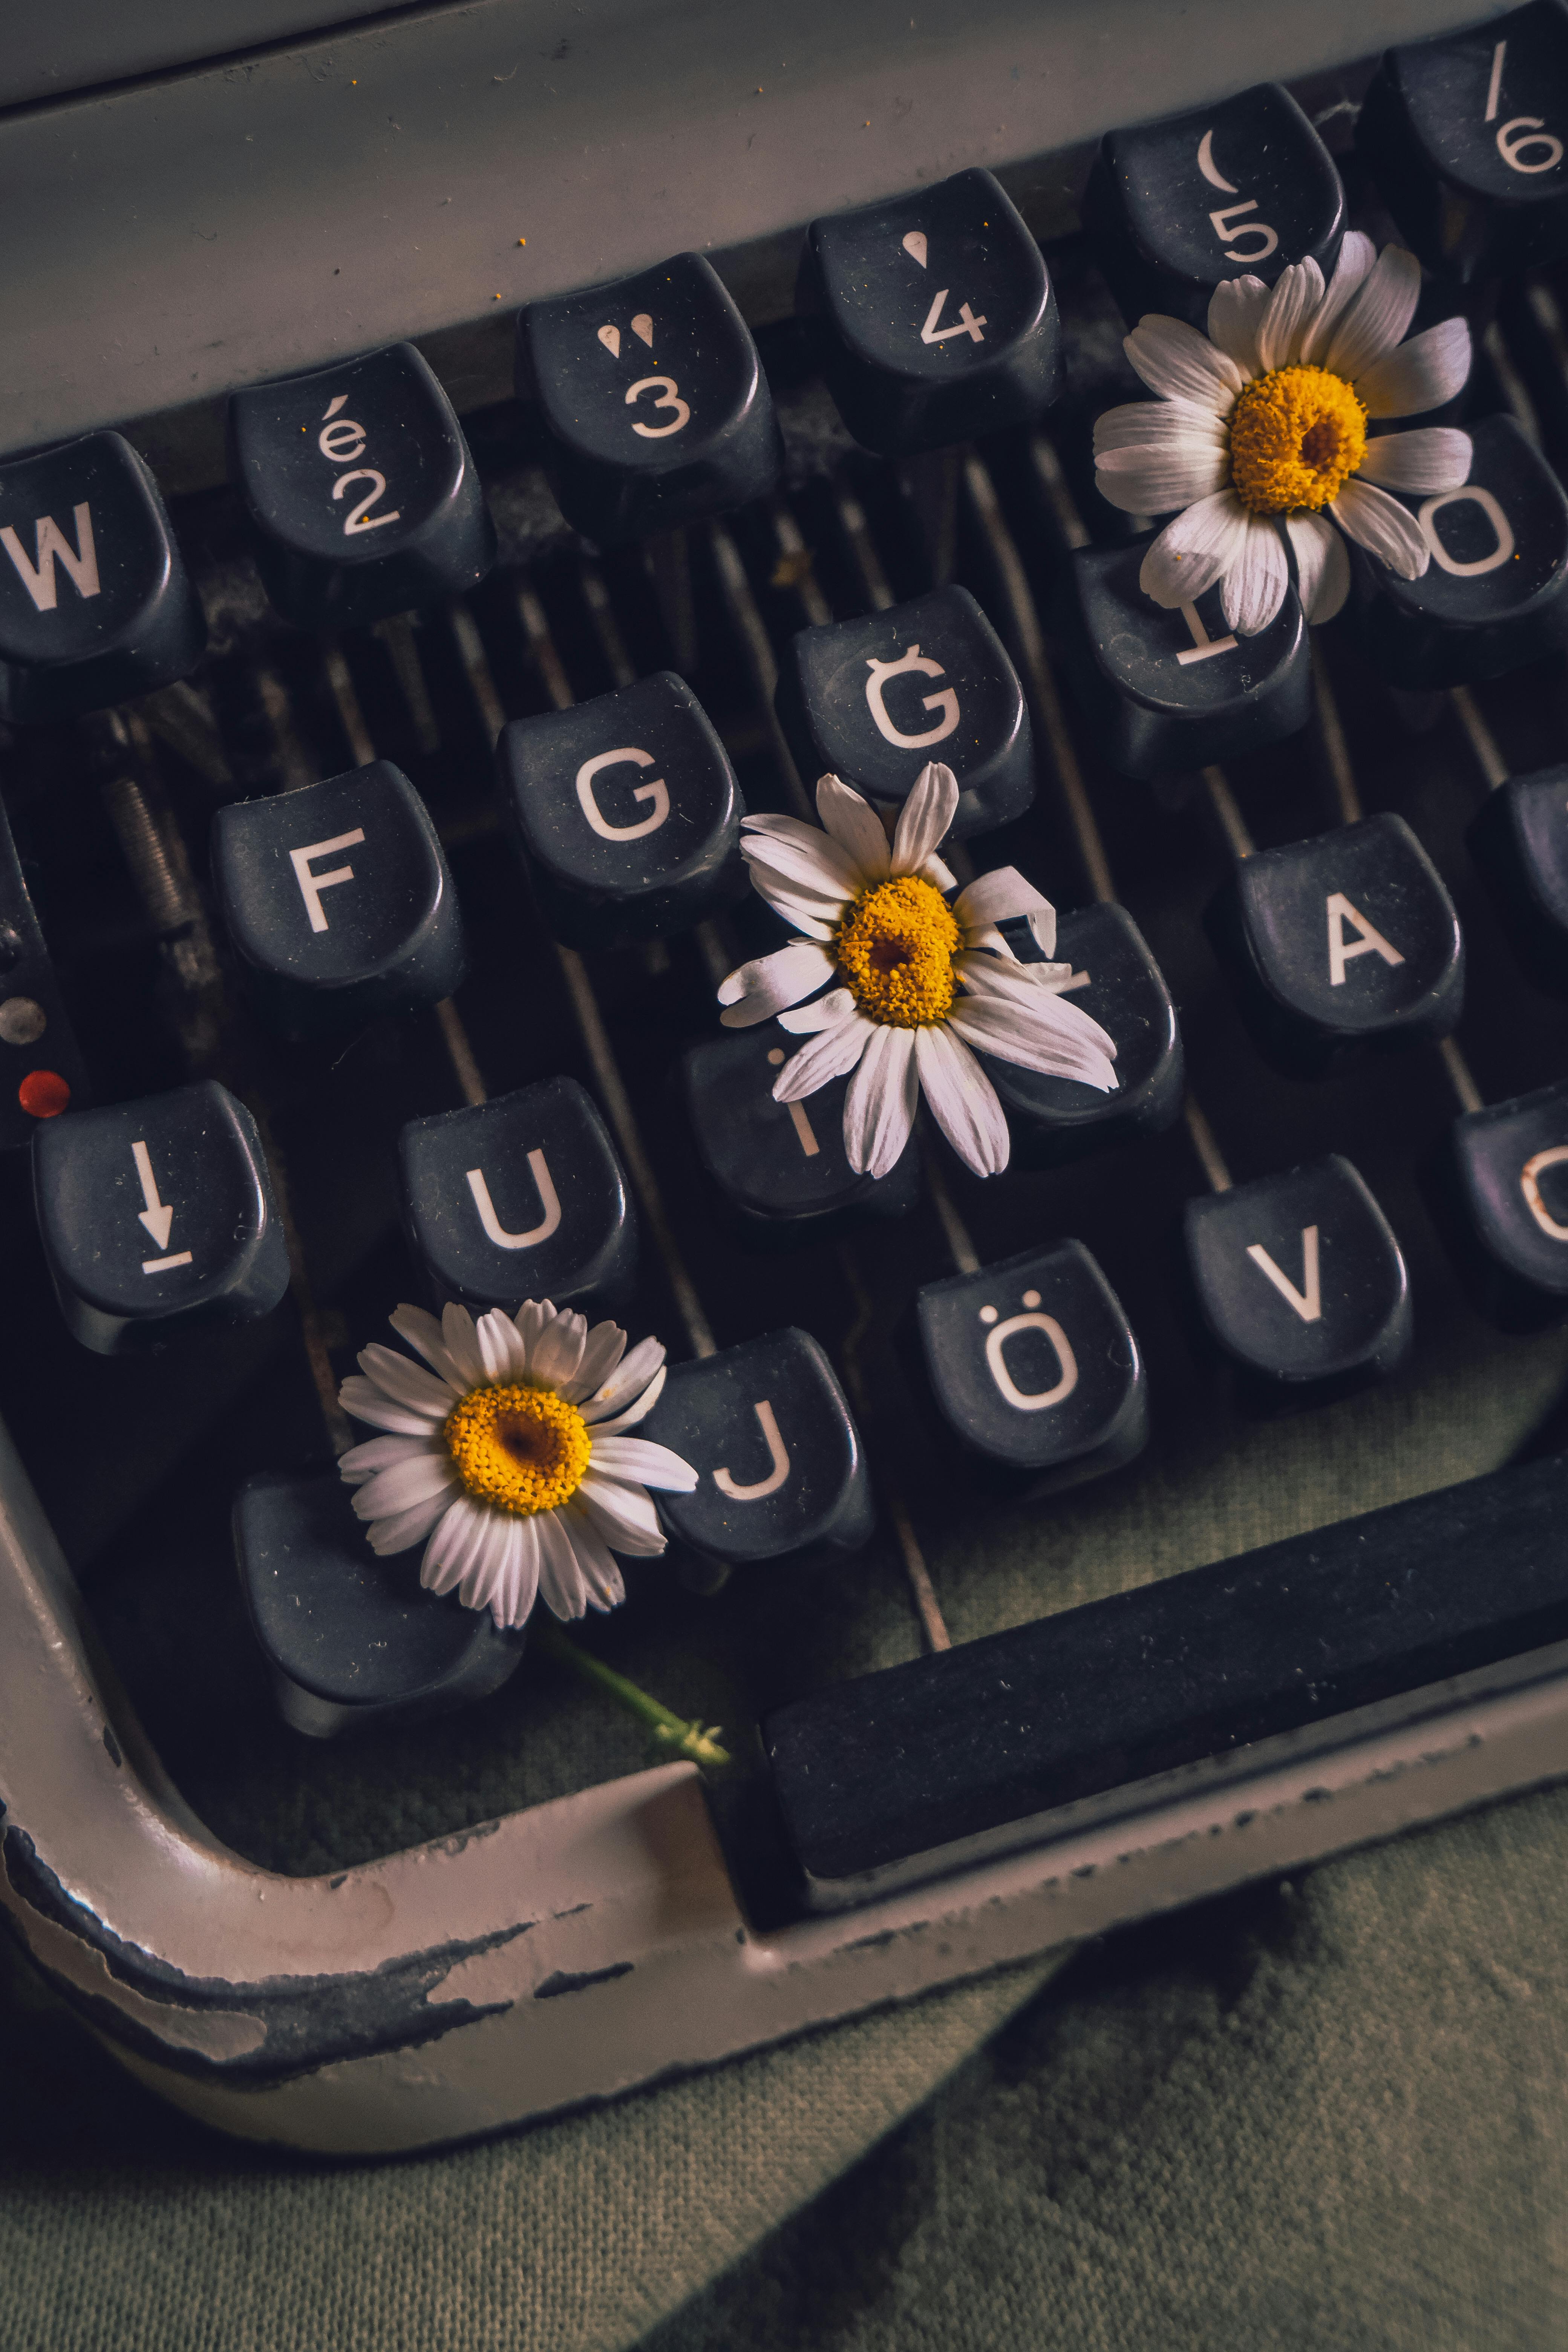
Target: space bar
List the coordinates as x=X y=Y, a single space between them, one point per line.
x=924 y=1767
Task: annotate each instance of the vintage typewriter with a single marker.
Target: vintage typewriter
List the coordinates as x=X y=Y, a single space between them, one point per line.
x=454 y=462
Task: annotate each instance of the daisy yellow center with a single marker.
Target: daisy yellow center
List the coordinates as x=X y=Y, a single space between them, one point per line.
x=519 y=1449
x=894 y=948
x=1295 y=438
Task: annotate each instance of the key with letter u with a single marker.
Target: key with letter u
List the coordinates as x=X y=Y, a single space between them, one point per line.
x=157 y=1216
x=520 y=1198
x=95 y=602
x=782 y=1469
x=874 y=698
x=338 y=901
x=626 y=813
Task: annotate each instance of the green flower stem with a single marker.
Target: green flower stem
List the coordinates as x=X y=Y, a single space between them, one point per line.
x=671 y=1735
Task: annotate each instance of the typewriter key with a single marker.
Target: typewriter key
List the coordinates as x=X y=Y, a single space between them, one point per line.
x=1500 y=1191
x=1520 y=841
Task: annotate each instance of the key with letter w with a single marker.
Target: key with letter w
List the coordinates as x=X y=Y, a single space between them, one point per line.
x=37 y=574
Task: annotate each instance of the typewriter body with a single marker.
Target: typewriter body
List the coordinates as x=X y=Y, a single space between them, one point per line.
x=357 y=526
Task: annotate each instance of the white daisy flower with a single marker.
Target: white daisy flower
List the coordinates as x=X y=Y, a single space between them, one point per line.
x=927 y=976
x=1264 y=420
x=509 y=1455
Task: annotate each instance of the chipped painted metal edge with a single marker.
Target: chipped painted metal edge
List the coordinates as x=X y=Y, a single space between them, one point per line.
x=588 y=1946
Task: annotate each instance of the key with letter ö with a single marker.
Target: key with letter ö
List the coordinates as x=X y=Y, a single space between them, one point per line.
x=626 y=813
x=338 y=901
x=95 y=602
x=1495 y=593
x=935 y=316
x=1168 y=692
x=1300 y=1282
x=1465 y=137
x=520 y=1198
x=1238 y=189
x=157 y=1216
x=782 y=1469
x=1034 y=1369
x=873 y=700
x=1498 y=1191
x=1346 y=940
x=1520 y=841
x=359 y=487
x=654 y=405
x=781 y=1166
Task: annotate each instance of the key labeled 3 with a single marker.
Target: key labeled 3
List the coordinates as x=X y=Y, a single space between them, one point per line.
x=157 y=1217
x=360 y=489
x=626 y=813
x=874 y=698
x=338 y=901
x=782 y=1470
x=935 y=316
x=653 y=403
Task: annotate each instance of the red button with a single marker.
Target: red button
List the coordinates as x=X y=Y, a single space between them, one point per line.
x=43 y=1094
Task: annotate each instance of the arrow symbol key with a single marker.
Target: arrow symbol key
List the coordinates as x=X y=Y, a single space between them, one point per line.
x=156 y=1216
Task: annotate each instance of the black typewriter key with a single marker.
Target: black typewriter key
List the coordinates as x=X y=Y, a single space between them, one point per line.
x=157 y=1216
x=873 y=700
x=338 y=901
x=1238 y=189
x=779 y=1167
x=95 y=602
x=655 y=407
x=350 y=1639
x=1170 y=691
x=1502 y=1204
x=1495 y=593
x=1117 y=982
x=626 y=812
x=41 y=1069
x=781 y=1467
x=935 y=315
x=1520 y=841
x=1034 y=1366
x=1299 y=1280
x=360 y=489
x=1345 y=940
x=1465 y=137
x=519 y=1198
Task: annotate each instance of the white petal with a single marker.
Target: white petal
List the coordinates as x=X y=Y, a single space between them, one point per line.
x=531 y=1319
x=628 y=1382
x=1432 y=458
x=1065 y=1043
x=1236 y=310
x=823 y=1013
x=633 y=1413
x=593 y=1574
x=623 y=1514
x=962 y=1100
x=995 y=897
x=880 y=1107
x=1195 y=550
x=366 y=1402
x=606 y=1344
x=507 y=1577
x=1357 y=254
x=454 y=1546
x=458 y=1338
x=1380 y=315
x=802 y=853
x=1421 y=374
x=754 y=992
x=406 y=1383
x=1019 y=983
x=828 y=1056
x=1153 y=481
x=1254 y=588
x=941 y=878
x=556 y=1353
x=404 y=1483
x=924 y=818
x=638 y=1458
x=402 y=1529
x=423 y=1333
x=361 y=1461
x=1176 y=361
x=1164 y=425
x=501 y=1350
x=1382 y=527
x=562 y=1587
x=1323 y=567
x=855 y=826
x=1292 y=308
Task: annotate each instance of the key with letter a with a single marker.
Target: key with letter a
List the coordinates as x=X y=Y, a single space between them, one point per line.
x=1300 y=1282
x=1346 y=940
x=95 y=602
x=338 y=901
x=520 y=1198
x=157 y=1217
x=782 y=1469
